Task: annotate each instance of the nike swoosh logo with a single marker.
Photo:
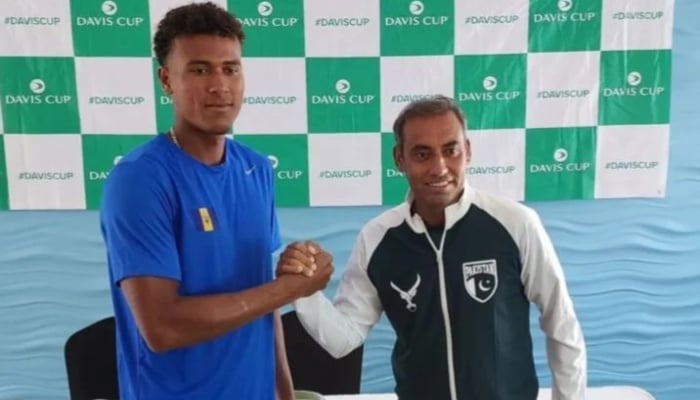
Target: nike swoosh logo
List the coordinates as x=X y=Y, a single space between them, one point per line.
x=249 y=171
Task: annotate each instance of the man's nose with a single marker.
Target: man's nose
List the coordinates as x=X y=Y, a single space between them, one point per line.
x=218 y=84
x=439 y=166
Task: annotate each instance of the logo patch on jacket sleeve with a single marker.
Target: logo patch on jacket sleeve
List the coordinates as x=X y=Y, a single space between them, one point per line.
x=480 y=279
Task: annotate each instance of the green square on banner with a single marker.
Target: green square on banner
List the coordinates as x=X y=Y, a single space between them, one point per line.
x=564 y=25
x=273 y=28
x=491 y=90
x=4 y=195
x=100 y=154
x=343 y=94
x=289 y=157
x=560 y=163
x=164 y=103
x=38 y=95
x=394 y=184
x=635 y=87
x=414 y=27
x=111 y=28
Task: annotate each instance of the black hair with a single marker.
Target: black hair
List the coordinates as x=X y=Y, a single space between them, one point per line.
x=426 y=107
x=194 y=19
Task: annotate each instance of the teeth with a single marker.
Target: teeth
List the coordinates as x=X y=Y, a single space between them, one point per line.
x=439 y=184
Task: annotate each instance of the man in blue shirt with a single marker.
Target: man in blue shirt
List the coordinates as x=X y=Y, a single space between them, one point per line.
x=190 y=226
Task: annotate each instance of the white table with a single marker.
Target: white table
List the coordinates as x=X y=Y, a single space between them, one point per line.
x=595 y=393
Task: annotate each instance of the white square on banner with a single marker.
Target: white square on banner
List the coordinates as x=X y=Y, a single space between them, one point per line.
x=345 y=169
x=158 y=8
x=45 y=172
x=491 y=27
x=338 y=28
x=36 y=28
x=498 y=162
x=631 y=161
x=404 y=79
x=115 y=95
x=637 y=25
x=275 y=96
x=562 y=89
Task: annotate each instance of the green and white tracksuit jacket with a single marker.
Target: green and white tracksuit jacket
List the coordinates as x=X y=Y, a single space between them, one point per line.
x=458 y=300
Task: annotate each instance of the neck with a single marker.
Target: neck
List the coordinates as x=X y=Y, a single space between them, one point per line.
x=206 y=147
x=434 y=215
x=431 y=216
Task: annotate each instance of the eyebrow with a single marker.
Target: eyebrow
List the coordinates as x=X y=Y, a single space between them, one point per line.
x=228 y=62
x=424 y=147
x=450 y=144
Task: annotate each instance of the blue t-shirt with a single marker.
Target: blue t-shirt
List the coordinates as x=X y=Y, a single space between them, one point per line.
x=213 y=229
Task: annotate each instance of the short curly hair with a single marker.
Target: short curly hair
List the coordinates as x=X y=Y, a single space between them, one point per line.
x=194 y=19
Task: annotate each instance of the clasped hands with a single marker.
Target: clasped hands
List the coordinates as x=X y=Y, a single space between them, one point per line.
x=306 y=267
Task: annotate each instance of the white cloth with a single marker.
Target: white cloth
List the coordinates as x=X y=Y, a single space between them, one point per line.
x=594 y=393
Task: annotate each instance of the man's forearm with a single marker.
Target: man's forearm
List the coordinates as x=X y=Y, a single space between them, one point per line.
x=337 y=333
x=285 y=386
x=187 y=320
x=567 y=361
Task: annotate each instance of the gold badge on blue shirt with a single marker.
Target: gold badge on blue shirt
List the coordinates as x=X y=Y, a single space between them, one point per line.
x=206 y=219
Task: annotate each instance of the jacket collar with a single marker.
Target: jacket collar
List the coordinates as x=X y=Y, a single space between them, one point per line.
x=453 y=213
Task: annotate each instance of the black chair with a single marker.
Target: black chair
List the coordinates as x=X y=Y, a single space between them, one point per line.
x=91 y=362
x=311 y=366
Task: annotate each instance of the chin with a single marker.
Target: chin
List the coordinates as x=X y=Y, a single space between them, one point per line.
x=221 y=132
x=441 y=200
x=218 y=125
x=218 y=129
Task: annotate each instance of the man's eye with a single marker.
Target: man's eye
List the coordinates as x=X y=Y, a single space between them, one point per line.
x=232 y=70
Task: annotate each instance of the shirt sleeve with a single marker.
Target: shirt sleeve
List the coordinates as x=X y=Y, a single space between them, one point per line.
x=545 y=285
x=343 y=325
x=136 y=220
x=276 y=236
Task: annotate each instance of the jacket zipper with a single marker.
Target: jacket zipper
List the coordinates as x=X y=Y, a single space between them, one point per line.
x=445 y=312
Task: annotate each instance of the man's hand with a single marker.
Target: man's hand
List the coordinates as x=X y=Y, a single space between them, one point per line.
x=305 y=268
x=304 y=286
x=299 y=258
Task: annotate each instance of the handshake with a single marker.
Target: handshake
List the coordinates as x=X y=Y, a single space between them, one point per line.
x=305 y=268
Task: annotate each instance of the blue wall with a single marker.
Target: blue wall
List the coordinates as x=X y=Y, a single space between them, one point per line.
x=632 y=266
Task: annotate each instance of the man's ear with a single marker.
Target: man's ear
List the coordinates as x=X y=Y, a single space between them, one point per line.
x=164 y=78
x=398 y=157
x=468 y=149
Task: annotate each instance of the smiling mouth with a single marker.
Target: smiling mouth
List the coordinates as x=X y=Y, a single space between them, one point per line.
x=440 y=184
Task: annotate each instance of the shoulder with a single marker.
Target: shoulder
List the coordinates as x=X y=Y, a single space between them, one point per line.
x=142 y=162
x=253 y=159
x=503 y=208
x=139 y=178
x=518 y=219
x=133 y=175
x=249 y=155
x=374 y=231
x=155 y=148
